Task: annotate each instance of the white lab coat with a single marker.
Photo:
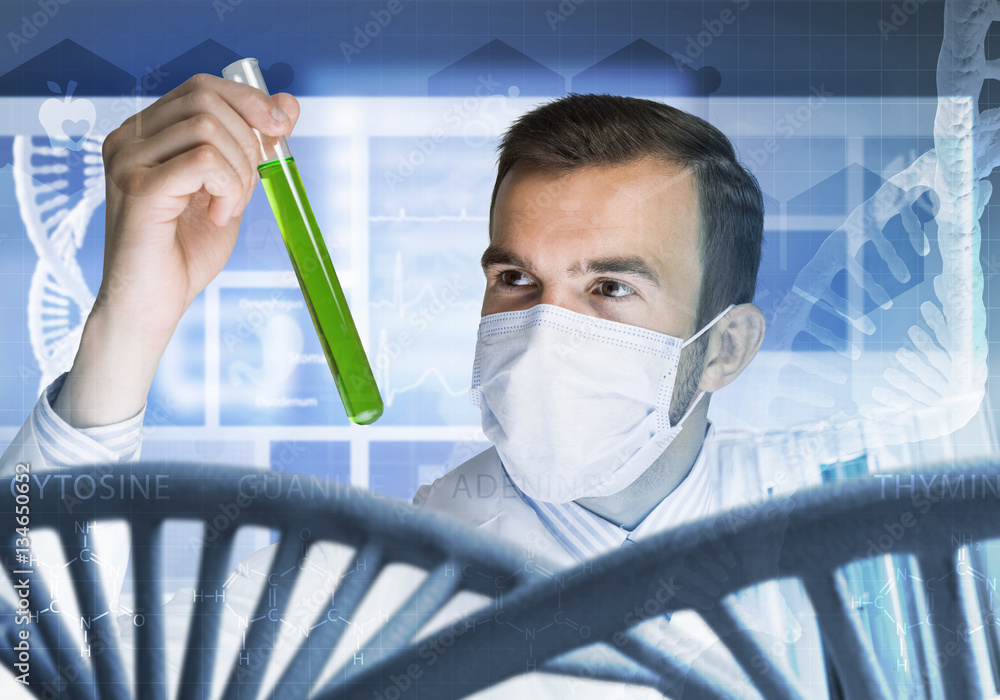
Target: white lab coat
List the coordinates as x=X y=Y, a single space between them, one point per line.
x=479 y=493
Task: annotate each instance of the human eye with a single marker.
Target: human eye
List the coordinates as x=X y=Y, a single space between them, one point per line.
x=513 y=278
x=613 y=289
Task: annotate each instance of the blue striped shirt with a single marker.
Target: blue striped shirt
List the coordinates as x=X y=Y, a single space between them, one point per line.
x=62 y=445
x=585 y=535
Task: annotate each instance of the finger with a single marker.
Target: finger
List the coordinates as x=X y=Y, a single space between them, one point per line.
x=203 y=167
x=208 y=93
x=289 y=105
x=208 y=106
x=249 y=195
x=200 y=130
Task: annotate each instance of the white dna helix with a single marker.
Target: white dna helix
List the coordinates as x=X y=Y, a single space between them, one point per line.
x=56 y=219
x=935 y=381
x=936 y=375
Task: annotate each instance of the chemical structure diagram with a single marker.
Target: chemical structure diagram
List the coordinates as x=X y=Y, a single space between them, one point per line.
x=896 y=604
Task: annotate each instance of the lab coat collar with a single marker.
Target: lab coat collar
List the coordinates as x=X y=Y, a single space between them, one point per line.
x=586 y=535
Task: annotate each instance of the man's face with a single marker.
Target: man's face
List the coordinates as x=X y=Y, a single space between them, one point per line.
x=619 y=243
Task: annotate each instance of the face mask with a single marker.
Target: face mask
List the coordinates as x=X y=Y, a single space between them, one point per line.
x=576 y=406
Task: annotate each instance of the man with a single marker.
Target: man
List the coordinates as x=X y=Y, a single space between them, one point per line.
x=637 y=216
x=620 y=229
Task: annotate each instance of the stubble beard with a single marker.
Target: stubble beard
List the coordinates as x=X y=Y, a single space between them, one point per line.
x=689 y=372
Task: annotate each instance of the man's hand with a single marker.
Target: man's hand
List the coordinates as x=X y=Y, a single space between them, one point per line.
x=178 y=176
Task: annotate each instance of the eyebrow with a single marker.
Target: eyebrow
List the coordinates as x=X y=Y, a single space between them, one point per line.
x=495 y=256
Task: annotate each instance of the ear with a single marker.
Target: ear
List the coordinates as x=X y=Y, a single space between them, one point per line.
x=732 y=343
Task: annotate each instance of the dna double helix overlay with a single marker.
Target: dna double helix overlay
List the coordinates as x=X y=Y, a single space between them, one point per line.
x=57 y=190
x=930 y=378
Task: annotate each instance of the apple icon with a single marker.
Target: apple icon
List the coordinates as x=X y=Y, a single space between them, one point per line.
x=67 y=121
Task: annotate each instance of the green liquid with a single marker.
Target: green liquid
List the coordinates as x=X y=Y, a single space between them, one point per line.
x=321 y=289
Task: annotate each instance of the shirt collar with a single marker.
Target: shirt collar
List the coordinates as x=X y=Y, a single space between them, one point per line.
x=586 y=535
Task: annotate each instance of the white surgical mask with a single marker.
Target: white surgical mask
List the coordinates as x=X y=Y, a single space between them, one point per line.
x=576 y=406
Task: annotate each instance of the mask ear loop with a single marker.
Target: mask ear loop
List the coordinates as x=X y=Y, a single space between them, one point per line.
x=701 y=392
x=708 y=325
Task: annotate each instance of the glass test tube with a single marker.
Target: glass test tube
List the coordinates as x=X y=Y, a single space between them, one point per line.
x=313 y=268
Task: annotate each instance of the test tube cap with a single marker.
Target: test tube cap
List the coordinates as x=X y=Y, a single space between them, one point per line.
x=246 y=71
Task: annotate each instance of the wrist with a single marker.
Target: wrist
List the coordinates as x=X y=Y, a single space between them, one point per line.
x=111 y=375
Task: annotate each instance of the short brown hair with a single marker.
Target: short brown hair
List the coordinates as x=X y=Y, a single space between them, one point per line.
x=581 y=130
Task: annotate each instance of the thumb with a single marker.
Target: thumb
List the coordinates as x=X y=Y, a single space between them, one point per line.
x=289 y=105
